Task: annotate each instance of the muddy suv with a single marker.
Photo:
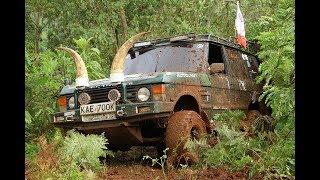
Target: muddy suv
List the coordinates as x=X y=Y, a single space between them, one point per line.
x=161 y=92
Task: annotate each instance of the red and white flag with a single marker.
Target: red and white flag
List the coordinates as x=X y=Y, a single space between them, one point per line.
x=241 y=34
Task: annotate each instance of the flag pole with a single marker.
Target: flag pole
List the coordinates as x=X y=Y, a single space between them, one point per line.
x=235 y=28
x=235 y=33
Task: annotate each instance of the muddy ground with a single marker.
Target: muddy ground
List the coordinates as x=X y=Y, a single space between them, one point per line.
x=129 y=165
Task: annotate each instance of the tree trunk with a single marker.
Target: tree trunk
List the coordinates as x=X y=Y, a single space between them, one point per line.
x=117 y=38
x=37 y=36
x=124 y=23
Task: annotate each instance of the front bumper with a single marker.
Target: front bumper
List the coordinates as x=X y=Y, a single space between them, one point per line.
x=124 y=113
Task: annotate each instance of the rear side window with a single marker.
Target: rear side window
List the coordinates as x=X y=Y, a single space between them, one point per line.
x=254 y=65
x=237 y=63
x=215 y=59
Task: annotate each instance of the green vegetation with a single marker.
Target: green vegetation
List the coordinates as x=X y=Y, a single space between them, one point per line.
x=97 y=28
x=75 y=156
x=159 y=161
x=271 y=153
x=85 y=150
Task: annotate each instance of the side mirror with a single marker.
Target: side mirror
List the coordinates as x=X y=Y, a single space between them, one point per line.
x=216 y=68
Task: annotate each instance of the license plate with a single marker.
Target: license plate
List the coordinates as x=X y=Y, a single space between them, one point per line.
x=97 y=108
x=98 y=117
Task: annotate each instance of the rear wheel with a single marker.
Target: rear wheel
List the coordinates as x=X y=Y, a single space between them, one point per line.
x=256 y=122
x=247 y=122
x=183 y=125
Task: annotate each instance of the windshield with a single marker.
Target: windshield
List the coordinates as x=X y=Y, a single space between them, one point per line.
x=182 y=57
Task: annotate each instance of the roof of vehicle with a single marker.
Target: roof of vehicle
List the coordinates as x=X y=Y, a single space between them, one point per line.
x=252 y=46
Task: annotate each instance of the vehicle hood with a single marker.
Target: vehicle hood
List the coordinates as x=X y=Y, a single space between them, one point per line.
x=188 y=78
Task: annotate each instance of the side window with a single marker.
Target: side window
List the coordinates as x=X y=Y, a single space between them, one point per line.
x=237 y=63
x=253 y=66
x=215 y=59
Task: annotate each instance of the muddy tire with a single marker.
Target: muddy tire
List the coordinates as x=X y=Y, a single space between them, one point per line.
x=253 y=115
x=264 y=124
x=246 y=123
x=256 y=122
x=183 y=125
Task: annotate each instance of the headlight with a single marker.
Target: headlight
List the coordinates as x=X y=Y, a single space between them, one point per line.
x=71 y=103
x=143 y=94
x=84 y=98
x=114 y=95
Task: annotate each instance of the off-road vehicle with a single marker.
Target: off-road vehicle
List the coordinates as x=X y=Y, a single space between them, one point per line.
x=162 y=91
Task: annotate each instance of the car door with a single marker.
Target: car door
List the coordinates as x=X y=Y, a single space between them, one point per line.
x=221 y=84
x=242 y=69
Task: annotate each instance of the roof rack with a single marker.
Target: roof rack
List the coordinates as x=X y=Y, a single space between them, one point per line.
x=253 y=47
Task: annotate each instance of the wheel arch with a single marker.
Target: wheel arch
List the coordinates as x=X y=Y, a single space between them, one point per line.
x=187 y=102
x=260 y=106
x=190 y=102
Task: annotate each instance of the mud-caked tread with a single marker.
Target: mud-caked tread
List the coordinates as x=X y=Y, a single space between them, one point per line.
x=179 y=129
x=256 y=122
x=264 y=124
x=246 y=123
x=252 y=115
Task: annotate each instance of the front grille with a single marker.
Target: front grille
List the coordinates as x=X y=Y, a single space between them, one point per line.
x=132 y=92
x=100 y=94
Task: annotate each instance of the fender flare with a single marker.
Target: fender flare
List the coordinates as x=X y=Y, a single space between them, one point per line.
x=201 y=112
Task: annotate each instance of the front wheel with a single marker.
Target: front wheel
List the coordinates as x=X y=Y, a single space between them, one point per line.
x=183 y=125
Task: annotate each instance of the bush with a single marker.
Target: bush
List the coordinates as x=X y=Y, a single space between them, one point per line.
x=271 y=154
x=276 y=157
x=277 y=68
x=277 y=160
x=49 y=70
x=231 y=151
x=31 y=150
x=85 y=151
x=74 y=157
x=230 y=118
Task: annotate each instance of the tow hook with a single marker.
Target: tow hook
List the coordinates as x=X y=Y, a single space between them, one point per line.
x=120 y=112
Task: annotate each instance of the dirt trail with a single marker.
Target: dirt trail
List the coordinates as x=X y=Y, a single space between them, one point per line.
x=129 y=165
